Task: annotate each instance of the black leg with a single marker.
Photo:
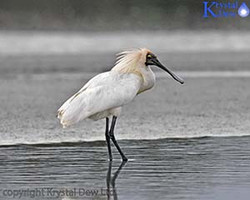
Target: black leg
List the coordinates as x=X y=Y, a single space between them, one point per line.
x=108 y=138
x=112 y=136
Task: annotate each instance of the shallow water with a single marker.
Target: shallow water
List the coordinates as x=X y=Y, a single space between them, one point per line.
x=201 y=168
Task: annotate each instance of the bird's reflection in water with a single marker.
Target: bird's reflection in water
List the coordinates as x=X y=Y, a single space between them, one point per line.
x=111 y=180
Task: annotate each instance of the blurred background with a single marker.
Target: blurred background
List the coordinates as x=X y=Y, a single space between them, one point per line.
x=76 y=31
x=111 y=15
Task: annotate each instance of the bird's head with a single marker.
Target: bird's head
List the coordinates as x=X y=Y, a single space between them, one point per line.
x=151 y=59
x=130 y=61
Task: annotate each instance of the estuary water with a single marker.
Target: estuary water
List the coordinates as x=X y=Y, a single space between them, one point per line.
x=198 y=168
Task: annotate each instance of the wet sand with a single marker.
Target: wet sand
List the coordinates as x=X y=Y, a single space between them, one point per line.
x=216 y=106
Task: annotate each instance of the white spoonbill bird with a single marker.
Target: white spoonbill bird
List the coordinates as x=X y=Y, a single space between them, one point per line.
x=104 y=95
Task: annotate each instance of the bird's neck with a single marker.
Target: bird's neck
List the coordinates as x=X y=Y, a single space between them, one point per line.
x=148 y=77
x=144 y=73
x=131 y=68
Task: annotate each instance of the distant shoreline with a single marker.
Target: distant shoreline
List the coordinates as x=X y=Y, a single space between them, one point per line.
x=58 y=43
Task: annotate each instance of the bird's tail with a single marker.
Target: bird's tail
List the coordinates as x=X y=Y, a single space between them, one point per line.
x=71 y=111
x=60 y=117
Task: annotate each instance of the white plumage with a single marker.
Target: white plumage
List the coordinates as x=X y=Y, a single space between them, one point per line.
x=102 y=96
x=105 y=94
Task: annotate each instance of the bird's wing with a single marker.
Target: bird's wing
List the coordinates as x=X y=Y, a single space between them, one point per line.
x=99 y=79
x=104 y=91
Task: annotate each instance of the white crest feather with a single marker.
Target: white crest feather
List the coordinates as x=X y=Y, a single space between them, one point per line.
x=130 y=58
